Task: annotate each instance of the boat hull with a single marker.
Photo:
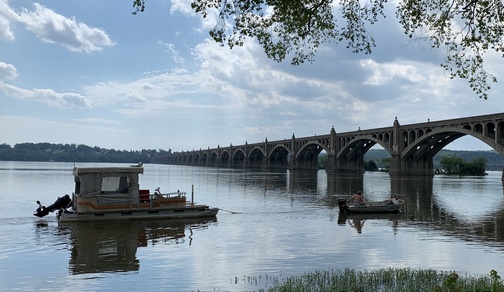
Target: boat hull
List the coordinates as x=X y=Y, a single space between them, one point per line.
x=179 y=213
x=374 y=207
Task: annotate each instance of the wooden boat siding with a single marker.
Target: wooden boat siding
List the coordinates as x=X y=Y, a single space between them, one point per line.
x=86 y=206
x=200 y=211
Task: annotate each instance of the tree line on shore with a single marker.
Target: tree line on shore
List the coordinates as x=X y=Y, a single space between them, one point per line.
x=75 y=153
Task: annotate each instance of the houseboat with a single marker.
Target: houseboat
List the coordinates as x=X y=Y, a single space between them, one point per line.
x=113 y=193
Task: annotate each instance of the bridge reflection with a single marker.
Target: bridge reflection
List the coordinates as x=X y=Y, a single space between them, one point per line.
x=422 y=206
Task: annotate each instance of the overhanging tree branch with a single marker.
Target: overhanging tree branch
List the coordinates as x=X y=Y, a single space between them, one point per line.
x=468 y=29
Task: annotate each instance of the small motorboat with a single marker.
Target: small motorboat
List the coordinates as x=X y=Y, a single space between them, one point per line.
x=113 y=193
x=386 y=206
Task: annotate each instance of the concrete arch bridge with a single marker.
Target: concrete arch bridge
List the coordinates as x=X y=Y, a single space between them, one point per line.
x=411 y=147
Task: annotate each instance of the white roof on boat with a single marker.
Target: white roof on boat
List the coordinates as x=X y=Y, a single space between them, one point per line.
x=130 y=169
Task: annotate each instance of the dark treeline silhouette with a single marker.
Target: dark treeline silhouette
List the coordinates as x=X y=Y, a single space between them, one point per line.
x=74 y=153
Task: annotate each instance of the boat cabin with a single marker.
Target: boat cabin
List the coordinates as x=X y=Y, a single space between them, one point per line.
x=106 y=186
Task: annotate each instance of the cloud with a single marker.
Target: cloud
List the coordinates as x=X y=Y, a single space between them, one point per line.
x=170 y=48
x=54 y=28
x=47 y=96
x=7 y=71
x=99 y=121
x=136 y=97
x=184 y=7
x=90 y=132
x=6 y=15
x=385 y=72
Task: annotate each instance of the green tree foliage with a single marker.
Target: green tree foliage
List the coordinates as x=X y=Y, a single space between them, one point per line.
x=385 y=162
x=75 y=153
x=296 y=28
x=370 y=165
x=322 y=160
x=457 y=166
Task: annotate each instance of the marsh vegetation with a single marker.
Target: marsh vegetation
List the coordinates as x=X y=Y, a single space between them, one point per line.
x=391 y=279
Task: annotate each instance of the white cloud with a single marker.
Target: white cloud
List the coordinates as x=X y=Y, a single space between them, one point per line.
x=385 y=72
x=7 y=71
x=6 y=15
x=55 y=28
x=171 y=48
x=47 y=96
x=88 y=132
x=183 y=6
x=136 y=97
x=99 y=121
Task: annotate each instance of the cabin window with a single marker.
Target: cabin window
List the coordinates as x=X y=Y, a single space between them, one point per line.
x=115 y=184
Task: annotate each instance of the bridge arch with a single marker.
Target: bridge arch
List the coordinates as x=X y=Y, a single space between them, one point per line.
x=307 y=155
x=238 y=157
x=427 y=146
x=225 y=158
x=279 y=156
x=213 y=158
x=351 y=155
x=361 y=145
x=256 y=157
x=204 y=158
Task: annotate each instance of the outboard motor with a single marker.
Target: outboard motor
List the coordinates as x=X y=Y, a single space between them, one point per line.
x=60 y=203
x=342 y=204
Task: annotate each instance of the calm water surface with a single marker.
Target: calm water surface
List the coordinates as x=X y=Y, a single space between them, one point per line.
x=270 y=223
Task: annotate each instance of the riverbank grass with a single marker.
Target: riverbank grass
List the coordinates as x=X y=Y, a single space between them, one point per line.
x=392 y=279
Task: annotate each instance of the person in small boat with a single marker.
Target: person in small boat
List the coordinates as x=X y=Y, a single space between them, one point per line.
x=395 y=200
x=157 y=194
x=358 y=198
x=40 y=209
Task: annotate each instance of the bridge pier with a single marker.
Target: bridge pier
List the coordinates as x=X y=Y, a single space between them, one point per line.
x=421 y=167
x=344 y=166
x=303 y=165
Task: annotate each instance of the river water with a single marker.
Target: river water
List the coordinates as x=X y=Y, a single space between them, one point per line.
x=270 y=224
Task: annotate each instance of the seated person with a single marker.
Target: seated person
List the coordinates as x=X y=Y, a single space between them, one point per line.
x=358 y=198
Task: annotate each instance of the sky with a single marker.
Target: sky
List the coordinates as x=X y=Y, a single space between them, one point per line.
x=90 y=72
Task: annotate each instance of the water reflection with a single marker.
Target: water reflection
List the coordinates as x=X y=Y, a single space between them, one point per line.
x=460 y=207
x=302 y=181
x=357 y=221
x=101 y=247
x=431 y=208
x=344 y=183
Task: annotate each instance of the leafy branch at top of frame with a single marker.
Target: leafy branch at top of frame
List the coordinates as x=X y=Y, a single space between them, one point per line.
x=468 y=29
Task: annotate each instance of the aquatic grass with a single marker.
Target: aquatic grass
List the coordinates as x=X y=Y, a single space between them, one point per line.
x=383 y=280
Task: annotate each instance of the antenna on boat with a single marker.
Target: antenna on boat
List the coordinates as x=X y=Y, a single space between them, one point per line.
x=192 y=195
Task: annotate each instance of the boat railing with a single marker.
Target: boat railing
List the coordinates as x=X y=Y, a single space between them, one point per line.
x=177 y=194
